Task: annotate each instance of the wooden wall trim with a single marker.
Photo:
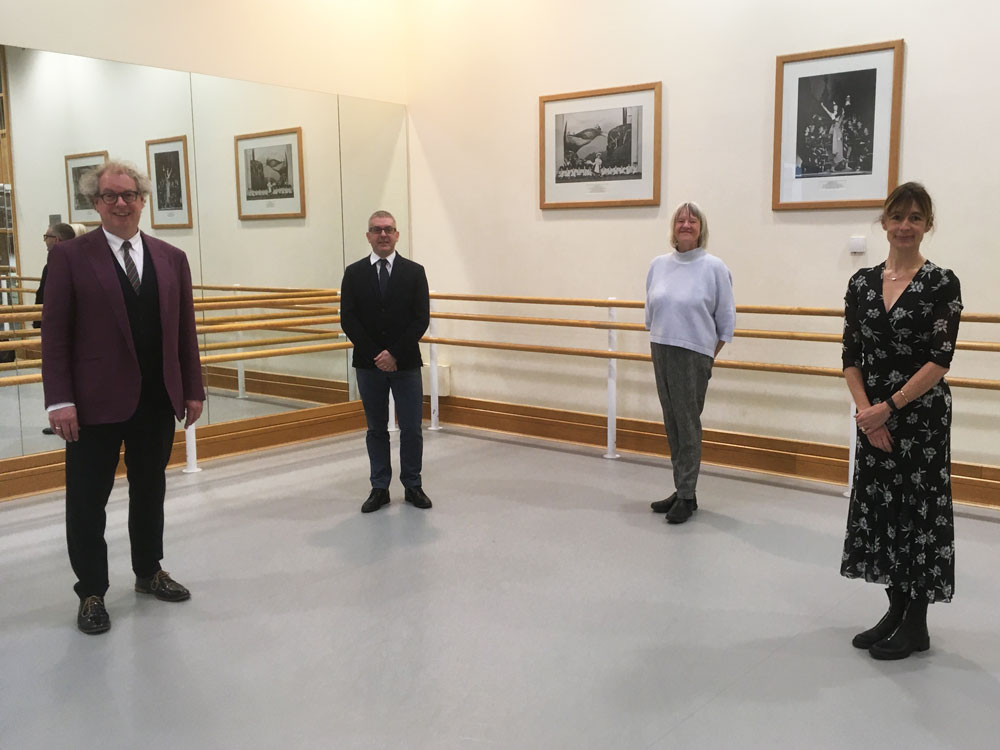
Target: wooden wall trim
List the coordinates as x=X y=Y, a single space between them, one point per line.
x=972 y=484
x=297 y=387
x=45 y=472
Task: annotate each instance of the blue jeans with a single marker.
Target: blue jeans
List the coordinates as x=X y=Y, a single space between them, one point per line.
x=407 y=391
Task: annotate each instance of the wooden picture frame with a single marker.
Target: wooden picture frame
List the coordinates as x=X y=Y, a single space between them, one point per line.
x=836 y=127
x=81 y=210
x=600 y=148
x=167 y=166
x=270 y=182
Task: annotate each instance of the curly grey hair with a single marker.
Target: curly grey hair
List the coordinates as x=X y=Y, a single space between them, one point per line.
x=90 y=178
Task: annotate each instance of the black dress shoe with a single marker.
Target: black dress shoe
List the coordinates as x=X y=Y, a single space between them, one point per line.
x=681 y=510
x=376 y=499
x=92 y=618
x=662 y=506
x=163 y=587
x=416 y=497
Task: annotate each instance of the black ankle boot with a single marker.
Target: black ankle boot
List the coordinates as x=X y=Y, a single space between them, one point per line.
x=910 y=636
x=889 y=622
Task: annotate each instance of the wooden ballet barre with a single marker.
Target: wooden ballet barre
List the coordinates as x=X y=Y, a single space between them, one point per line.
x=981 y=346
x=218 y=345
x=20 y=380
x=19 y=333
x=6 y=346
x=539 y=300
x=273 y=289
x=727 y=364
x=267 y=325
x=23 y=317
x=23 y=364
x=283 y=352
x=601 y=324
x=249 y=318
x=285 y=305
x=272 y=298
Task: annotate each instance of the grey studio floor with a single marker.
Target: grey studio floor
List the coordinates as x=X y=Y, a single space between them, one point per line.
x=539 y=604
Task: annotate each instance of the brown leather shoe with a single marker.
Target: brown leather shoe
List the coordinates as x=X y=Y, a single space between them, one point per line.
x=163 y=587
x=92 y=618
x=416 y=497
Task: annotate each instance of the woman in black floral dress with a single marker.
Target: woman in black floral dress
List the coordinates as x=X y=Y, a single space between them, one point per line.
x=900 y=327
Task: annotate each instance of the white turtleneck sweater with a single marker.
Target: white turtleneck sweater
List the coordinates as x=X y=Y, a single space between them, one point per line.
x=689 y=301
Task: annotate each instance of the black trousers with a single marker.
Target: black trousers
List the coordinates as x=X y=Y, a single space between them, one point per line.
x=90 y=474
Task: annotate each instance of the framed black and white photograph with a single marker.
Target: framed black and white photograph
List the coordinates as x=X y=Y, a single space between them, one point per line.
x=167 y=163
x=836 y=127
x=81 y=210
x=270 y=183
x=600 y=148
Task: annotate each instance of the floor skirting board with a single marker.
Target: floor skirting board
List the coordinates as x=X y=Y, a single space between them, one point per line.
x=44 y=472
x=974 y=484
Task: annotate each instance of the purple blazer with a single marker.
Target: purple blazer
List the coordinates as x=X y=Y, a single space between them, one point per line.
x=88 y=357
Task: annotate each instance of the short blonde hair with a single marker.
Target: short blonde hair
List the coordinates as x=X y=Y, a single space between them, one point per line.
x=695 y=210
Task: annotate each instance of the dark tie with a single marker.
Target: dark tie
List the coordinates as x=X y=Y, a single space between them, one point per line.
x=133 y=275
x=383 y=276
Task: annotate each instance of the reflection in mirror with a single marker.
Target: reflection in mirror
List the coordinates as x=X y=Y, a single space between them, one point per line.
x=246 y=272
x=268 y=255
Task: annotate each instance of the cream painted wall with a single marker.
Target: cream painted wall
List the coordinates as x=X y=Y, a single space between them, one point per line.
x=471 y=74
x=341 y=46
x=477 y=226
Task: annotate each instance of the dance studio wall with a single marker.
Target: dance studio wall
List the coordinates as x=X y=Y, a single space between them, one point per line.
x=473 y=110
x=471 y=74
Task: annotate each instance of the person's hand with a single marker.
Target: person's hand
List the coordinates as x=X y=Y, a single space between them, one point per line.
x=873 y=417
x=880 y=438
x=385 y=361
x=64 y=423
x=192 y=410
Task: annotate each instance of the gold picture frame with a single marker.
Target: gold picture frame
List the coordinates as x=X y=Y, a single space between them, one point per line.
x=600 y=148
x=270 y=182
x=836 y=127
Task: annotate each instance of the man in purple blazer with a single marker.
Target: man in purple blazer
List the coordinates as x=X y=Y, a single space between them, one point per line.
x=119 y=363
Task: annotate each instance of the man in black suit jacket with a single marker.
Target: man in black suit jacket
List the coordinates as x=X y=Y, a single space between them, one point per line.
x=384 y=310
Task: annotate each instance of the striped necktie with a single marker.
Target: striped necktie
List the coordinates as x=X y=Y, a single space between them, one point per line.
x=133 y=275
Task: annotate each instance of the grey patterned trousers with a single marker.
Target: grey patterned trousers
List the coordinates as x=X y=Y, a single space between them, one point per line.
x=681 y=382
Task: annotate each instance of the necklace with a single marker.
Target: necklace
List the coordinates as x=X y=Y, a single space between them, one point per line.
x=893 y=275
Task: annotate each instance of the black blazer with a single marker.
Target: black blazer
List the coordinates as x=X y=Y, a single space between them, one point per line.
x=395 y=323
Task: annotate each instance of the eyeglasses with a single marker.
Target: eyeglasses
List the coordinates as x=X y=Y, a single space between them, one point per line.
x=129 y=196
x=381 y=230
x=49 y=237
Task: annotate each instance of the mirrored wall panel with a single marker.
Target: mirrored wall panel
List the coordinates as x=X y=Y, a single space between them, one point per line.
x=267 y=189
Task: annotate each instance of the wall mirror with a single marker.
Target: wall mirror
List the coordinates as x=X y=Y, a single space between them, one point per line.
x=193 y=130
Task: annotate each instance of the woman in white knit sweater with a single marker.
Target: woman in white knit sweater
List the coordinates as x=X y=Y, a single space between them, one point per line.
x=690 y=315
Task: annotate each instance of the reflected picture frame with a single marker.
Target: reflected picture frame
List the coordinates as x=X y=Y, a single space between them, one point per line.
x=167 y=167
x=81 y=210
x=270 y=181
x=836 y=127
x=600 y=148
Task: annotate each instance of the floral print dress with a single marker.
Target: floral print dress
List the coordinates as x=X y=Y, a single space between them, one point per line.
x=900 y=526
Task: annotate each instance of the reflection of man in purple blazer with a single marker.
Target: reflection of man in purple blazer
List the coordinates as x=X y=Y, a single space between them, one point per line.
x=119 y=363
